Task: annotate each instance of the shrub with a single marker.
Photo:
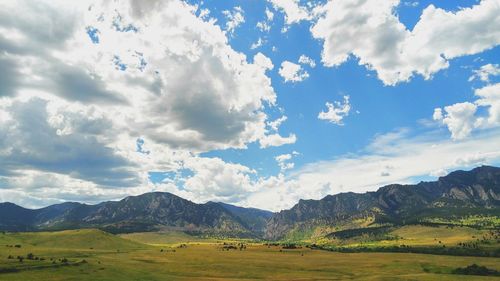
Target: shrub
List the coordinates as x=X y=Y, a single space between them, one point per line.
x=475 y=269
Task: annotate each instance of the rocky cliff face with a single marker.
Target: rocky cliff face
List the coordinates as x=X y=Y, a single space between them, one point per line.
x=466 y=190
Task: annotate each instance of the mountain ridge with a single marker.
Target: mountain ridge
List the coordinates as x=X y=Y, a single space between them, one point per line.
x=467 y=192
x=145 y=212
x=394 y=203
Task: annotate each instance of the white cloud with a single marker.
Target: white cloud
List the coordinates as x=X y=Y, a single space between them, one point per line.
x=462 y=118
x=269 y=15
x=438 y=114
x=303 y=59
x=265 y=25
x=215 y=180
x=234 y=19
x=292 y=72
x=485 y=72
x=489 y=96
x=411 y=3
x=73 y=107
x=294 y=13
x=274 y=125
x=371 y=31
x=204 y=14
x=283 y=157
x=80 y=83
x=284 y=161
x=274 y=138
x=257 y=44
x=277 y=140
x=336 y=112
x=262 y=61
x=58 y=137
x=408 y=156
x=438 y=173
x=193 y=55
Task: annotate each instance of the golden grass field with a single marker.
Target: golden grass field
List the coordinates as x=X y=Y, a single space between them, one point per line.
x=159 y=257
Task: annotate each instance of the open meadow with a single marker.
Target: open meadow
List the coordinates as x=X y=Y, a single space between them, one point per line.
x=96 y=255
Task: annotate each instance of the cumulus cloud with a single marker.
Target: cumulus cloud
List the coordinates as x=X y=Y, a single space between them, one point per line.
x=213 y=179
x=63 y=142
x=234 y=19
x=274 y=138
x=277 y=140
x=275 y=124
x=257 y=44
x=196 y=60
x=303 y=59
x=489 y=97
x=81 y=82
x=269 y=15
x=292 y=72
x=336 y=112
x=292 y=9
x=283 y=161
x=371 y=31
x=462 y=118
x=265 y=25
x=485 y=72
x=263 y=62
x=438 y=114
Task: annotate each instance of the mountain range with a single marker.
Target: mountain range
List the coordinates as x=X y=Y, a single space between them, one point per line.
x=146 y=212
x=458 y=194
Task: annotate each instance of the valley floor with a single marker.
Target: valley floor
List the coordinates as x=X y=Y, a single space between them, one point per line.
x=96 y=255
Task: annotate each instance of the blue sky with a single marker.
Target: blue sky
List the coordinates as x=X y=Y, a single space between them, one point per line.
x=382 y=108
x=255 y=103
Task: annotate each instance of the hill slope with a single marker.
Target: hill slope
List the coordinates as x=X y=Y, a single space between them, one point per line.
x=70 y=239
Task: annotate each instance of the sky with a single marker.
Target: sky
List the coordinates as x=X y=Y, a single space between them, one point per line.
x=257 y=103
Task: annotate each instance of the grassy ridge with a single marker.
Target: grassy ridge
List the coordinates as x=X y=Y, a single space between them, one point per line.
x=69 y=239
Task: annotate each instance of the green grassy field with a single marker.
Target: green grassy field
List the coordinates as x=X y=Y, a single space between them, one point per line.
x=418 y=235
x=96 y=255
